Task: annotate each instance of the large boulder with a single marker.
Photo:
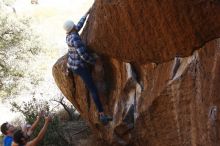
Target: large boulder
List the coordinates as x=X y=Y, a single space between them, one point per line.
x=151 y=30
x=159 y=72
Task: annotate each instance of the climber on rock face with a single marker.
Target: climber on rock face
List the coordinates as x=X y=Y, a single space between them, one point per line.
x=78 y=57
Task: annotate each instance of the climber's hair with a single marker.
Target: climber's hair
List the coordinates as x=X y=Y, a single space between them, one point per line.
x=19 y=137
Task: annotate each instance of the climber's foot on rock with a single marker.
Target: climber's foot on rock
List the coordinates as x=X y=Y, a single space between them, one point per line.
x=105 y=119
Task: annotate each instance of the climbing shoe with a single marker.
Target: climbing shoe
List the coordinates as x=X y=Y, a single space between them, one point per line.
x=105 y=119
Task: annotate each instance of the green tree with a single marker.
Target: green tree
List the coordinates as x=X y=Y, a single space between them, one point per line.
x=18 y=47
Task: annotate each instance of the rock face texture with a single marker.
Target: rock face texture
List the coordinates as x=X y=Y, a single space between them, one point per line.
x=149 y=30
x=159 y=72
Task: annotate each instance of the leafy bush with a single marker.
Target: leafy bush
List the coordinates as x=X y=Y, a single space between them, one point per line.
x=1 y=138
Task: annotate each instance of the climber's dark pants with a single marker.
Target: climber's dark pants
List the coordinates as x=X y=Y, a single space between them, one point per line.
x=84 y=73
